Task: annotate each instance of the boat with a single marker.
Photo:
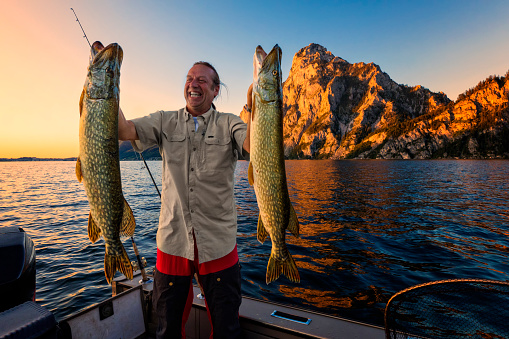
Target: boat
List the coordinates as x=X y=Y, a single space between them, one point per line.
x=459 y=308
x=128 y=312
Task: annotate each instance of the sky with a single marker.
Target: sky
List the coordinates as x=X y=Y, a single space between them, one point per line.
x=442 y=45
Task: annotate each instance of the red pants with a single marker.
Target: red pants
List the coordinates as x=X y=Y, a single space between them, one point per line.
x=173 y=294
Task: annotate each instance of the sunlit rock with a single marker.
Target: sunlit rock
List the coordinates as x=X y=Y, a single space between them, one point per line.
x=335 y=110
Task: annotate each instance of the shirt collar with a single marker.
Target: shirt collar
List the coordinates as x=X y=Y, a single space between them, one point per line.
x=206 y=116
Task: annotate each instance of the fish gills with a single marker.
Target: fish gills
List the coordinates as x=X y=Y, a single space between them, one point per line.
x=267 y=165
x=98 y=165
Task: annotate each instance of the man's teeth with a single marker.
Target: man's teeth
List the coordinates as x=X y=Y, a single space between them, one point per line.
x=194 y=94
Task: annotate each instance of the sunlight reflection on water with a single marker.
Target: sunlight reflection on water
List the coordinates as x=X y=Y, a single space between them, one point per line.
x=368 y=229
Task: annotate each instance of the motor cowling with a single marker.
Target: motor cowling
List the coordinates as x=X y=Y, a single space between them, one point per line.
x=17 y=267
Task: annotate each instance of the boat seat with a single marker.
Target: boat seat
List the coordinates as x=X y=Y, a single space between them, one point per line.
x=458 y=308
x=27 y=320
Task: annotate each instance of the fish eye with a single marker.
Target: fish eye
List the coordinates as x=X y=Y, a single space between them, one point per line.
x=110 y=73
x=274 y=72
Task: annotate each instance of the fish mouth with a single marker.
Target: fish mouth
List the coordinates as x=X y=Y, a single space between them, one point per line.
x=258 y=58
x=274 y=57
x=96 y=48
x=104 y=71
x=267 y=80
x=112 y=55
x=262 y=60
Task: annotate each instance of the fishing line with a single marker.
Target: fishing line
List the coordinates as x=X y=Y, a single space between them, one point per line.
x=142 y=269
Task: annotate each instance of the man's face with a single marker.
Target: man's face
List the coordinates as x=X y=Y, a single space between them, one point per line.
x=200 y=89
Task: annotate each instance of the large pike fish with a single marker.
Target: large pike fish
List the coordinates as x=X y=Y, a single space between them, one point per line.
x=98 y=162
x=267 y=164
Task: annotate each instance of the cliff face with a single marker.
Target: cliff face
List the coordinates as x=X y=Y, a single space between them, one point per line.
x=476 y=126
x=334 y=109
x=332 y=105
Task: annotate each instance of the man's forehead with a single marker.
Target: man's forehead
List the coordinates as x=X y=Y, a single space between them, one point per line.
x=200 y=71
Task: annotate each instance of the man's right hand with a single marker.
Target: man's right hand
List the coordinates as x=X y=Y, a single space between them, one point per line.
x=126 y=128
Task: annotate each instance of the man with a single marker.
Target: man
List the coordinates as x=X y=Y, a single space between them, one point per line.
x=198 y=220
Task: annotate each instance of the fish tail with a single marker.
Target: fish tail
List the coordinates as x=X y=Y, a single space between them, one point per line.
x=113 y=263
x=286 y=267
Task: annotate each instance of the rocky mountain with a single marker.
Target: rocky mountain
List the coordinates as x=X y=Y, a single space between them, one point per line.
x=337 y=110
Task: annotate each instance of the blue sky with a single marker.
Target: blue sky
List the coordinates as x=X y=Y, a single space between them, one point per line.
x=445 y=46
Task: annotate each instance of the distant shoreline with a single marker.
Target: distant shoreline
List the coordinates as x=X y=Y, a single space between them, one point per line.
x=57 y=159
x=37 y=159
x=26 y=159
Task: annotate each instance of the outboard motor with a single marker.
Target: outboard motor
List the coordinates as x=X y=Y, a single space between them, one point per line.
x=17 y=265
x=20 y=316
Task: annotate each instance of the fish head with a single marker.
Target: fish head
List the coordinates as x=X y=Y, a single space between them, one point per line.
x=267 y=80
x=103 y=71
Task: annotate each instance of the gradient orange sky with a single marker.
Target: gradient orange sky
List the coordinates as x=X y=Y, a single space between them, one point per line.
x=445 y=46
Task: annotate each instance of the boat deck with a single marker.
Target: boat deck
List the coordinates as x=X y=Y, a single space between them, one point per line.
x=259 y=319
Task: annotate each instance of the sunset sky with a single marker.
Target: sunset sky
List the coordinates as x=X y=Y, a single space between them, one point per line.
x=445 y=46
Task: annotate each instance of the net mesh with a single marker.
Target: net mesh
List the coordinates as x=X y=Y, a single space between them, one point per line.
x=460 y=308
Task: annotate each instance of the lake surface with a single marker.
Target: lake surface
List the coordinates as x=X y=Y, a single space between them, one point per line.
x=368 y=230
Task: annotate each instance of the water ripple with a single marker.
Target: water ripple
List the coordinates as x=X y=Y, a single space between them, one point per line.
x=368 y=229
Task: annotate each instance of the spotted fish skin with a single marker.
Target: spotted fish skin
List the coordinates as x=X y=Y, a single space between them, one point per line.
x=267 y=171
x=98 y=165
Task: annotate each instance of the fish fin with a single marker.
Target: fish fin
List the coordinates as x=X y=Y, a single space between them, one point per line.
x=120 y=263
x=94 y=232
x=128 y=222
x=287 y=267
x=81 y=100
x=253 y=109
x=78 y=170
x=261 y=233
x=250 y=175
x=293 y=222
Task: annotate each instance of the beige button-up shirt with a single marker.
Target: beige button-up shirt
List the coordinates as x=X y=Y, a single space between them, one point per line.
x=198 y=176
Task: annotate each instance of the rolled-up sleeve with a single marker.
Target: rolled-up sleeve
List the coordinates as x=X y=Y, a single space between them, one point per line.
x=149 y=131
x=238 y=130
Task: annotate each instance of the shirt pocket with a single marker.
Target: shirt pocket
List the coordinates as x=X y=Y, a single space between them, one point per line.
x=175 y=147
x=218 y=153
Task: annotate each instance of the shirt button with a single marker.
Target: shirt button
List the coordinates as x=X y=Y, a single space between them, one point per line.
x=192 y=169
x=191 y=189
x=192 y=211
x=218 y=279
x=194 y=149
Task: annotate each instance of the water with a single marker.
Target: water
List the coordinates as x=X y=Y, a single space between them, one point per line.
x=368 y=230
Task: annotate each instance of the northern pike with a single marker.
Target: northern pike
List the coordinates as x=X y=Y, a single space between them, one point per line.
x=266 y=170
x=98 y=163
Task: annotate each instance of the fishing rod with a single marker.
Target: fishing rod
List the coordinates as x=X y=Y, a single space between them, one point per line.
x=145 y=279
x=202 y=294
x=151 y=177
x=84 y=34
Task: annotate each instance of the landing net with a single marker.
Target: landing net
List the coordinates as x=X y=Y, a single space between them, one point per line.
x=459 y=308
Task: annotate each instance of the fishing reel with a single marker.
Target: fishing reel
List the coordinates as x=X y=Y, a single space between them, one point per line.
x=136 y=266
